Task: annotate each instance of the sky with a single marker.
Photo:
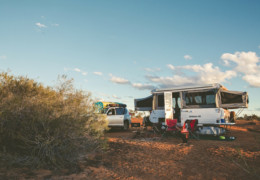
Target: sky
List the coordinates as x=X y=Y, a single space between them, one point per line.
x=120 y=50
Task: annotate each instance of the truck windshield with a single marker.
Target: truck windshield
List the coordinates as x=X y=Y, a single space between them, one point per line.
x=104 y=111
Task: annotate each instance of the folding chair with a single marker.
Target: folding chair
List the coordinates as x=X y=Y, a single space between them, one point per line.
x=191 y=128
x=171 y=124
x=172 y=129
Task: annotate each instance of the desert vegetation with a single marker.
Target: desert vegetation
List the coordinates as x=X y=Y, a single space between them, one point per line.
x=249 y=117
x=46 y=127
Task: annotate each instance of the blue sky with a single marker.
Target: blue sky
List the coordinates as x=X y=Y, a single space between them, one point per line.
x=120 y=50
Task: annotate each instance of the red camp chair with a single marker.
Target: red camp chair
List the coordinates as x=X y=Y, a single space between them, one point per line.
x=172 y=129
x=190 y=127
x=171 y=125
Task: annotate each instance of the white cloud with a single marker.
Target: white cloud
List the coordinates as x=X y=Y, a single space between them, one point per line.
x=122 y=81
x=196 y=67
x=187 y=57
x=152 y=69
x=84 y=73
x=118 y=80
x=98 y=73
x=209 y=74
x=259 y=46
x=116 y=97
x=80 y=71
x=56 y=25
x=77 y=69
x=175 y=80
x=170 y=66
x=143 y=86
x=40 y=25
x=3 y=57
x=204 y=74
x=252 y=79
x=246 y=63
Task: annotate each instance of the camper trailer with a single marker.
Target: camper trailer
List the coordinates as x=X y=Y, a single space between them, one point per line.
x=211 y=105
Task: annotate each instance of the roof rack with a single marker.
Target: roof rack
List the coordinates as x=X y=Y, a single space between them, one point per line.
x=102 y=104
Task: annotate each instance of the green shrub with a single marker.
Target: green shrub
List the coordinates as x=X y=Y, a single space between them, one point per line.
x=43 y=126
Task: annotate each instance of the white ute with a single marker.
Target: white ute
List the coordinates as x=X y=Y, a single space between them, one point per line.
x=117 y=114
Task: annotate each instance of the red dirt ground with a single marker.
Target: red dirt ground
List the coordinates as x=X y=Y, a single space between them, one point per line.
x=150 y=157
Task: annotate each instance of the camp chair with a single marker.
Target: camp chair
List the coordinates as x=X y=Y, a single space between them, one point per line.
x=171 y=125
x=191 y=128
x=171 y=128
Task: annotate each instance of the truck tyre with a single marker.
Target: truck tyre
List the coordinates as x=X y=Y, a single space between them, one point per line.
x=126 y=125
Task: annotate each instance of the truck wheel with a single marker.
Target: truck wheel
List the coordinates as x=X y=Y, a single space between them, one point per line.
x=126 y=125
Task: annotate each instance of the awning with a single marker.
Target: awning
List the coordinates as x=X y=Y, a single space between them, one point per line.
x=144 y=104
x=233 y=99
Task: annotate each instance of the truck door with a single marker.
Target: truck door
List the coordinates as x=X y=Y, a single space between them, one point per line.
x=168 y=105
x=119 y=116
x=111 y=113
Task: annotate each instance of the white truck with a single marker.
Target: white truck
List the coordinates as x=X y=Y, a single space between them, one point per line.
x=117 y=114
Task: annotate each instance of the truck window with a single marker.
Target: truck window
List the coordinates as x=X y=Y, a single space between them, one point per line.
x=201 y=99
x=233 y=99
x=119 y=111
x=111 y=112
x=188 y=100
x=161 y=100
x=210 y=99
x=198 y=99
x=176 y=103
x=230 y=98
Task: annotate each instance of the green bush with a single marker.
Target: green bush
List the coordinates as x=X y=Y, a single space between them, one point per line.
x=43 y=126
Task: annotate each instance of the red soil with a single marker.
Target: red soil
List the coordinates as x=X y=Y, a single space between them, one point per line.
x=150 y=157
